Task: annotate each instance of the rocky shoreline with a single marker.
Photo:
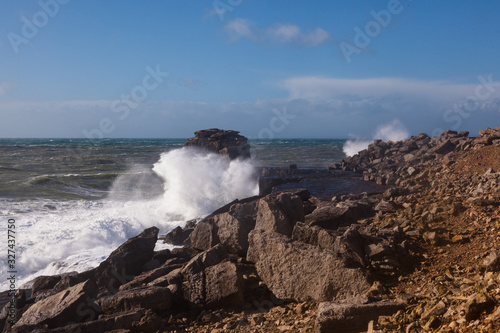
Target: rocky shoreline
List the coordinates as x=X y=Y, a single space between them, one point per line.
x=419 y=256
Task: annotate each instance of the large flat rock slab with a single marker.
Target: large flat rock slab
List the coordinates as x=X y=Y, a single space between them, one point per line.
x=301 y=272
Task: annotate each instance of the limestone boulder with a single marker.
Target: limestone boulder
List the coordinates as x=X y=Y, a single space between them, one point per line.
x=279 y=213
x=72 y=305
x=126 y=261
x=301 y=272
x=155 y=298
x=351 y=318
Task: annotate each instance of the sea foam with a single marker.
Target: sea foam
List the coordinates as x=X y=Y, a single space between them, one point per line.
x=393 y=131
x=77 y=235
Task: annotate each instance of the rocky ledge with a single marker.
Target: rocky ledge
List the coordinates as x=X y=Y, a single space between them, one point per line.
x=420 y=257
x=225 y=142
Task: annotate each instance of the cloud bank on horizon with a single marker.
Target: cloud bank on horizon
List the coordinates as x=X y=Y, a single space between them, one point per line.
x=166 y=70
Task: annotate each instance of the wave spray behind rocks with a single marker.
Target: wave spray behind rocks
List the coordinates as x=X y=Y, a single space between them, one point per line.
x=76 y=235
x=197 y=182
x=393 y=131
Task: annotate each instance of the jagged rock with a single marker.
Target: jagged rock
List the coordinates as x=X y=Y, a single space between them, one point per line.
x=203 y=260
x=303 y=193
x=155 y=298
x=331 y=215
x=126 y=262
x=298 y=271
x=177 y=236
x=186 y=253
x=314 y=235
x=279 y=213
x=217 y=285
x=351 y=318
x=234 y=226
x=204 y=235
x=68 y=306
x=476 y=304
x=228 y=143
x=486 y=137
x=386 y=206
x=444 y=148
x=351 y=246
x=152 y=275
x=491 y=262
x=174 y=277
x=44 y=283
x=71 y=280
x=377 y=250
x=230 y=228
x=124 y=320
x=223 y=285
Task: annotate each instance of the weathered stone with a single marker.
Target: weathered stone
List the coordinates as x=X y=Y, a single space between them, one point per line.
x=351 y=246
x=126 y=261
x=386 y=206
x=223 y=285
x=331 y=215
x=228 y=143
x=430 y=237
x=298 y=271
x=279 y=213
x=232 y=232
x=211 y=257
x=177 y=236
x=303 y=193
x=124 y=320
x=313 y=235
x=44 y=283
x=376 y=250
x=204 y=235
x=152 y=275
x=444 y=148
x=174 y=277
x=438 y=309
x=217 y=285
x=408 y=157
x=155 y=298
x=68 y=306
x=476 y=304
x=351 y=318
x=185 y=253
x=491 y=262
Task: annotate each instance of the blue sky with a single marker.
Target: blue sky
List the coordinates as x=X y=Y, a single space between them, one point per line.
x=165 y=68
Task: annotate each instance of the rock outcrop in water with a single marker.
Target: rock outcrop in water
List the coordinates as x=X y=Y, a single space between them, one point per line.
x=225 y=142
x=420 y=257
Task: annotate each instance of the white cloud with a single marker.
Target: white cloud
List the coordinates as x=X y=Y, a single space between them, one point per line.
x=322 y=88
x=316 y=37
x=319 y=107
x=239 y=28
x=278 y=33
x=283 y=33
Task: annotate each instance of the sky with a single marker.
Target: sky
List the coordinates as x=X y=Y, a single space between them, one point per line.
x=269 y=69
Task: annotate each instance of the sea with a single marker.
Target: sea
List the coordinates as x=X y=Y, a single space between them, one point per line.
x=66 y=204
